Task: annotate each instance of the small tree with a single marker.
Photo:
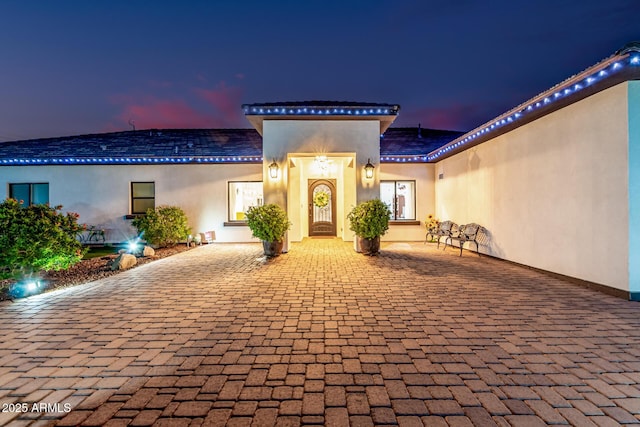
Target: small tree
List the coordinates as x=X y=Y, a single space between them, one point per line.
x=268 y=223
x=369 y=219
x=163 y=226
x=37 y=237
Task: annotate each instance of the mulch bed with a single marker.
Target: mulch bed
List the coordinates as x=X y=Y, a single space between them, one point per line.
x=89 y=270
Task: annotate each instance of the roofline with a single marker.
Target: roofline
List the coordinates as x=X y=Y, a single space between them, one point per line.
x=622 y=66
x=168 y=160
x=329 y=109
x=128 y=160
x=133 y=160
x=157 y=131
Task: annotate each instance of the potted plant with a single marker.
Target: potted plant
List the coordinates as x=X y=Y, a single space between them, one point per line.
x=269 y=223
x=369 y=220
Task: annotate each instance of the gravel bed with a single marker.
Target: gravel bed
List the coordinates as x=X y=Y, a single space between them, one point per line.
x=89 y=270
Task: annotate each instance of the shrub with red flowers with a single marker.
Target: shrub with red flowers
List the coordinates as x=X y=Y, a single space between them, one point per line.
x=37 y=238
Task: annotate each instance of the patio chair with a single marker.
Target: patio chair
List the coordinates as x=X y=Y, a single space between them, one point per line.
x=465 y=233
x=444 y=229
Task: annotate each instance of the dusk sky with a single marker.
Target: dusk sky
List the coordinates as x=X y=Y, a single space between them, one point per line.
x=77 y=67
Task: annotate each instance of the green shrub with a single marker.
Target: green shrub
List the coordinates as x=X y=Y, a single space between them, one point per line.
x=163 y=226
x=268 y=223
x=37 y=237
x=369 y=219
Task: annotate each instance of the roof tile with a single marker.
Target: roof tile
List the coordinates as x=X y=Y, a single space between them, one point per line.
x=197 y=143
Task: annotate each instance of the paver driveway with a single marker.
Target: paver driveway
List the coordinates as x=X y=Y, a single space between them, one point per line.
x=322 y=335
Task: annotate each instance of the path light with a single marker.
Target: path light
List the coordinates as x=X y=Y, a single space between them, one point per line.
x=368 y=169
x=133 y=246
x=26 y=287
x=273 y=170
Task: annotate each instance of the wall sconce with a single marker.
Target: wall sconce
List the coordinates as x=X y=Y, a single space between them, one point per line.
x=273 y=170
x=368 y=169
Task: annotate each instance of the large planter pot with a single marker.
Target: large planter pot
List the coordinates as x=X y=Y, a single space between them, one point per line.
x=272 y=249
x=369 y=246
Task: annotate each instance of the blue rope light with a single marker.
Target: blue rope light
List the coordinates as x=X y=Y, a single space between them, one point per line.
x=129 y=160
x=523 y=112
x=173 y=160
x=632 y=60
x=319 y=111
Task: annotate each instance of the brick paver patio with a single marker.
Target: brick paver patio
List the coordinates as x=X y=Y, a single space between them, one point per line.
x=322 y=335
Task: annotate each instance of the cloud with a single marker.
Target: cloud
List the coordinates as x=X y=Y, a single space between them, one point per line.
x=197 y=108
x=152 y=112
x=226 y=101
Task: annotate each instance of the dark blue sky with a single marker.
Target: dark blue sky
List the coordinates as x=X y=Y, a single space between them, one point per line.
x=75 y=67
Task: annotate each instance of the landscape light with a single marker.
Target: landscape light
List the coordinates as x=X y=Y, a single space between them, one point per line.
x=133 y=246
x=26 y=288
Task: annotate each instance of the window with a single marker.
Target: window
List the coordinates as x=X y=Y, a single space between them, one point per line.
x=30 y=194
x=400 y=196
x=143 y=197
x=243 y=195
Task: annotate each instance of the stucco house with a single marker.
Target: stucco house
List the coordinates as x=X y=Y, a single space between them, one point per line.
x=555 y=181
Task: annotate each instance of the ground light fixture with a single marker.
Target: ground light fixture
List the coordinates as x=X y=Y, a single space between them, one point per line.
x=273 y=170
x=133 y=246
x=368 y=169
x=26 y=287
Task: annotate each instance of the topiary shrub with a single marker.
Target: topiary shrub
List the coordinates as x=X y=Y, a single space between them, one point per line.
x=37 y=237
x=163 y=226
x=369 y=219
x=268 y=223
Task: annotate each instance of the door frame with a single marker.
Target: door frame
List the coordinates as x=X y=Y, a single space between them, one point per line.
x=312 y=183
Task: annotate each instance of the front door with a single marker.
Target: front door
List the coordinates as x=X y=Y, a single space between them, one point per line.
x=322 y=207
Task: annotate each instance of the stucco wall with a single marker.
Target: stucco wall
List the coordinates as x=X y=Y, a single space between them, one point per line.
x=281 y=137
x=340 y=140
x=553 y=193
x=634 y=189
x=423 y=175
x=101 y=194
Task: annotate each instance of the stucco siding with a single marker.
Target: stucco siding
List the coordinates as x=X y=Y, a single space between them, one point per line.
x=634 y=189
x=293 y=144
x=553 y=193
x=281 y=137
x=101 y=194
x=423 y=175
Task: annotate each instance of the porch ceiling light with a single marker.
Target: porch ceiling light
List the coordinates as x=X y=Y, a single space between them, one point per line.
x=368 y=169
x=273 y=170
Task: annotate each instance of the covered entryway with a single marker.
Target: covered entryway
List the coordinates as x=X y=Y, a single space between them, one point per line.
x=320 y=140
x=322 y=207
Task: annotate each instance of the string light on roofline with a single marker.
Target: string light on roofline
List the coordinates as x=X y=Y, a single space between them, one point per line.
x=129 y=160
x=632 y=60
x=324 y=111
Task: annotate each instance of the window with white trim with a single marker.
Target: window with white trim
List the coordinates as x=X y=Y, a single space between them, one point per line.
x=243 y=195
x=400 y=196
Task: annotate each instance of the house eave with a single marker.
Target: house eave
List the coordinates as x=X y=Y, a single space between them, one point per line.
x=621 y=67
x=385 y=114
x=133 y=161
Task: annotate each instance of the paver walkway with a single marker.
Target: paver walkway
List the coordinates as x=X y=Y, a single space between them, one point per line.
x=322 y=335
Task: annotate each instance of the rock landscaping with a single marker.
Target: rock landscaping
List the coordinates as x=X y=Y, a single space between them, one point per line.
x=91 y=269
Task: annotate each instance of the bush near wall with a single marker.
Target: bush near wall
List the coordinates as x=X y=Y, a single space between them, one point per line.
x=37 y=237
x=163 y=226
